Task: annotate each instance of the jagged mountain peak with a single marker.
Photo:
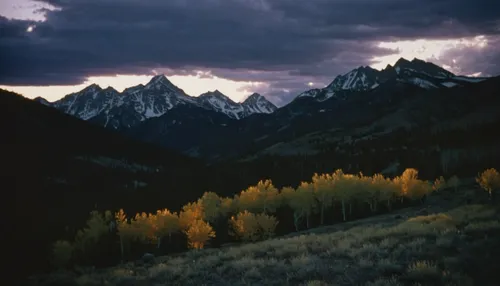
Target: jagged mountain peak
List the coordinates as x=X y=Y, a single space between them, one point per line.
x=421 y=66
x=92 y=88
x=361 y=78
x=110 y=89
x=41 y=100
x=159 y=78
x=254 y=96
x=416 y=72
x=401 y=61
x=258 y=103
x=214 y=93
x=161 y=82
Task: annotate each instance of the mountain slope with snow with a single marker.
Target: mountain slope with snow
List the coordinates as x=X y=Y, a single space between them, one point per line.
x=419 y=73
x=112 y=109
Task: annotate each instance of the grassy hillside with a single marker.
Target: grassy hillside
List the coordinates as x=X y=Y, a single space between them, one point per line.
x=59 y=168
x=440 y=243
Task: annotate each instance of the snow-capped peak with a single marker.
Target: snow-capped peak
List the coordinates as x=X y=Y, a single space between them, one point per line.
x=258 y=104
x=361 y=78
x=254 y=97
x=421 y=67
x=91 y=88
x=415 y=72
x=216 y=94
x=160 y=82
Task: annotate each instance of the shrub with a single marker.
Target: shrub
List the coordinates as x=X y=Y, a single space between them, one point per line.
x=489 y=180
x=250 y=227
x=62 y=251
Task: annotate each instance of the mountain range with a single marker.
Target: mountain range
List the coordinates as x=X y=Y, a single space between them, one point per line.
x=215 y=128
x=413 y=114
x=112 y=109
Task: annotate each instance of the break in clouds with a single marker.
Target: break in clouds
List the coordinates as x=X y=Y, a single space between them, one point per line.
x=285 y=44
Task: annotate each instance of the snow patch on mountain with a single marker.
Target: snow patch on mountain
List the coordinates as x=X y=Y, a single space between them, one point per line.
x=257 y=103
x=422 y=83
x=449 y=84
x=416 y=72
x=468 y=79
x=310 y=93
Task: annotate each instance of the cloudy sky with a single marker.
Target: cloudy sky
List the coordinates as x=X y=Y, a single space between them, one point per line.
x=278 y=48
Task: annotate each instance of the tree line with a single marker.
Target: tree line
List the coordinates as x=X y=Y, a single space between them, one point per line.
x=253 y=214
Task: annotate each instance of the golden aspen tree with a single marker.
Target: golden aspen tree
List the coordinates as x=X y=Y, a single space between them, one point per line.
x=96 y=227
x=291 y=198
x=439 y=184
x=143 y=226
x=364 y=192
x=210 y=204
x=489 y=180
x=419 y=190
x=323 y=186
x=250 y=227
x=199 y=233
x=378 y=184
x=344 y=187
x=190 y=213
x=389 y=192
x=250 y=199
x=244 y=226
x=268 y=196
x=126 y=232
x=263 y=197
x=304 y=198
x=227 y=206
x=267 y=225
x=165 y=223
x=406 y=181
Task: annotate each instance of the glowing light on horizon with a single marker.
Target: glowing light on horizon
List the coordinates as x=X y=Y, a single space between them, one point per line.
x=427 y=50
x=192 y=85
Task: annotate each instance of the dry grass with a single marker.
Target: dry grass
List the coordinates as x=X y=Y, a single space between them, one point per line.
x=422 y=250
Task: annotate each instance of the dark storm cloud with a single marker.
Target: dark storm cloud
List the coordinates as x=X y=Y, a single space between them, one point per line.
x=301 y=41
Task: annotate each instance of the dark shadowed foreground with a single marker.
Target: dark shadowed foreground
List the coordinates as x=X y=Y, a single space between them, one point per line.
x=445 y=242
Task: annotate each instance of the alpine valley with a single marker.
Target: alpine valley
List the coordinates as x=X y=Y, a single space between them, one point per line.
x=153 y=146
x=390 y=111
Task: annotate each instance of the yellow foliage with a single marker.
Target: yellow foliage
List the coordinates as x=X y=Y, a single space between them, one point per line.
x=165 y=223
x=198 y=233
x=263 y=197
x=250 y=227
x=125 y=230
x=439 y=184
x=210 y=204
x=227 y=206
x=489 y=180
x=97 y=226
x=189 y=214
x=323 y=188
x=304 y=198
x=267 y=225
x=143 y=227
x=245 y=226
